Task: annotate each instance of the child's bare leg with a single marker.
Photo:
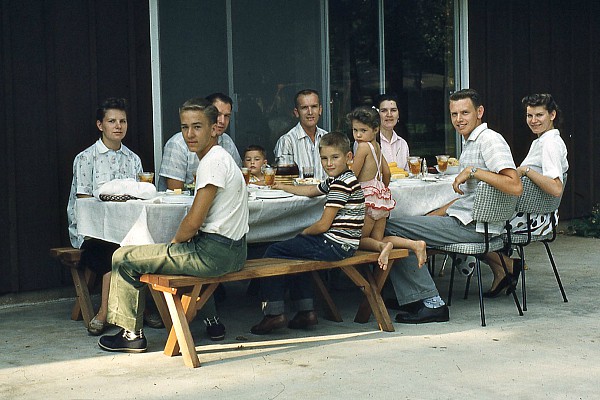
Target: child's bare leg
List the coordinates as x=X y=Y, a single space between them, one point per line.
x=418 y=247
x=384 y=249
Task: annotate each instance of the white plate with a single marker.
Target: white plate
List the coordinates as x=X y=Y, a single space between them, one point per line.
x=271 y=194
x=177 y=199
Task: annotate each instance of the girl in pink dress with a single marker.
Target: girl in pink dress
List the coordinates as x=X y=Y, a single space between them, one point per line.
x=373 y=173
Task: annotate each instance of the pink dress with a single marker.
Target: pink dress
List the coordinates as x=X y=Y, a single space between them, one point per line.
x=378 y=197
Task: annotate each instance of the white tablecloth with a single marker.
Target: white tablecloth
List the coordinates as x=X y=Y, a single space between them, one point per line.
x=148 y=221
x=142 y=222
x=418 y=197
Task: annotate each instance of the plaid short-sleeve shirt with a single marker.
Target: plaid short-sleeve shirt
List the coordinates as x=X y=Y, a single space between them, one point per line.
x=487 y=150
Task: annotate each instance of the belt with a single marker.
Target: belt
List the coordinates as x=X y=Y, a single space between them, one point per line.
x=222 y=239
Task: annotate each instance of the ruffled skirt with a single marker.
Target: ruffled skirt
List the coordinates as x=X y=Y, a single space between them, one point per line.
x=378 y=199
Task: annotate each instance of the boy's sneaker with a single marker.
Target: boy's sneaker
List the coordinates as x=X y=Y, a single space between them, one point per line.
x=124 y=342
x=214 y=329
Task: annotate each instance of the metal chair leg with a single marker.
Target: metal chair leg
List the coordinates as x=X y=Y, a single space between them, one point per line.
x=451 y=279
x=480 y=284
x=562 y=290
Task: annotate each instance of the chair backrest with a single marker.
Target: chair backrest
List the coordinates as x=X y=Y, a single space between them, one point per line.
x=492 y=205
x=535 y=201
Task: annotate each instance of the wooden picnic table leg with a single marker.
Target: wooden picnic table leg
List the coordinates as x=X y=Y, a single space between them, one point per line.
x=161 y=306
x=364 y=310
x=192 y=301
x=83 y=280
x=182 y=329
x=375 y=300
x=188 y=304
x=331 y=311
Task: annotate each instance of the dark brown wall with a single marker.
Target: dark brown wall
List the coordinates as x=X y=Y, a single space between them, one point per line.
x=542 y=46
x=58 y=59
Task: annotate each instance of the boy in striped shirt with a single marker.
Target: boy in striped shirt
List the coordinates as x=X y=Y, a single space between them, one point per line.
x=333 y=237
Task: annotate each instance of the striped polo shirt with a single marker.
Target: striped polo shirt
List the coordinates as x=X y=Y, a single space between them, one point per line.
x=344 y=192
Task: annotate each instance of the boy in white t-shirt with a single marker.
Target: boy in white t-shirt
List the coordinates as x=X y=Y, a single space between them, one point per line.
x=210 y=241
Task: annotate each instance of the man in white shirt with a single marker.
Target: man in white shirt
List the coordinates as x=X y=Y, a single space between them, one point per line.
x=485 y=157
x=179 y=165
x=301 y=143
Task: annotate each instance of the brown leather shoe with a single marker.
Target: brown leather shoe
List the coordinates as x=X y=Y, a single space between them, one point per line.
x=303 y=320
x=268 y=323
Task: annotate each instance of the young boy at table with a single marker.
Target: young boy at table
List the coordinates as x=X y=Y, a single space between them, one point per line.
x=210 y=241
x=333 y=237
x=254 y=158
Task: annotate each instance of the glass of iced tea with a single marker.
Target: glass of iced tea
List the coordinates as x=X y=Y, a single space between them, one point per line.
x=246 y=173
x=414 y=164
x=442 y=162
x=269 y=174
x=146 y=177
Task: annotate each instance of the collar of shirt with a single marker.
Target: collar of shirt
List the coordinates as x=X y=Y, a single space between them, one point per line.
x=476 y=132
x=548 y=135
x=103 y=149
x=394 y=138
x=301 y=133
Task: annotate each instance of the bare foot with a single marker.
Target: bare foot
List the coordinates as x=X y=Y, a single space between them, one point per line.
x=383 y=256
x=420 y=250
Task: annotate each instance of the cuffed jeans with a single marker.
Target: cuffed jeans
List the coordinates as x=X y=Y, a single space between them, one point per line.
x=410 y=282
x=301 y=247
x=206 y=255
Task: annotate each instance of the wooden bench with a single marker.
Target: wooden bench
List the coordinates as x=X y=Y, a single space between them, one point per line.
x=182 y=296
x=83 y=279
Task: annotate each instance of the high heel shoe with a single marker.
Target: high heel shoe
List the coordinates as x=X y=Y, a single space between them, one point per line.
x=517 y=268
x=505 y=283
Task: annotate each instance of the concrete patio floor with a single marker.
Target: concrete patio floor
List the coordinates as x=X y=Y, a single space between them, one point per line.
x=552 y=352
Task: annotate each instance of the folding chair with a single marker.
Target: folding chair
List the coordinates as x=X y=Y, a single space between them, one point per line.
x=535 y=201
x=491 y=205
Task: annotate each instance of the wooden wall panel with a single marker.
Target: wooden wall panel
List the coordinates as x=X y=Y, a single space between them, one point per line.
x=518 y=48
x=59 y=59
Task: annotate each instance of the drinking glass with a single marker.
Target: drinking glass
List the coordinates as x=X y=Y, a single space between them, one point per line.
x=414 y=164
x=442 y=162
x=269 y=176
x=146 y=177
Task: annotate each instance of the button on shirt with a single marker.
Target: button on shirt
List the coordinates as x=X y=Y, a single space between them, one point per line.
x=395 y=150
x=180 y=163
x=487 y=150
x=93 y=167
x=304 y=152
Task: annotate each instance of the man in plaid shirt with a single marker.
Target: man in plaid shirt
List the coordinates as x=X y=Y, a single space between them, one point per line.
x=485 y=157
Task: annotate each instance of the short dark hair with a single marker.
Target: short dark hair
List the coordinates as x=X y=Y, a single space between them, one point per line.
x=112 y=103
x=219 y=96
x=200 y=104
x=547 y=101
x=386 y=97
x=255 y=147
x=467 y=94
x=367 y=115
x=305 y=92
x=337 y=140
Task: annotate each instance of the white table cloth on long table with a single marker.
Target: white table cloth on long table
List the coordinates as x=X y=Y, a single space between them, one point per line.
x=418 y=196
x=150 y=221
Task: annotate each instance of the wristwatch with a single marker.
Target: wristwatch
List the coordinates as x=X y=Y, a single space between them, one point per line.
x=472 y=174
x=527 y=171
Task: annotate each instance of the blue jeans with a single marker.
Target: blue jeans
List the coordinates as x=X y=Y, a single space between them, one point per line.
x=302 y=247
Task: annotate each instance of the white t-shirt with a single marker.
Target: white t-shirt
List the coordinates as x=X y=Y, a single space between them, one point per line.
x=180 y=164
x=228 y=214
